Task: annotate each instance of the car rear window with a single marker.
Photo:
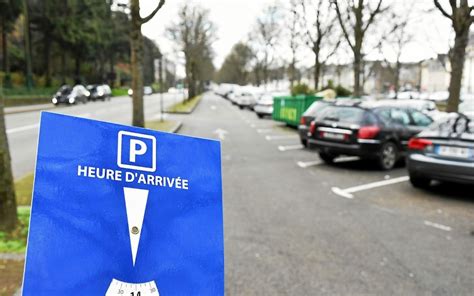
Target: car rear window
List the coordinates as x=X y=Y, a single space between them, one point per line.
x=315 y=108
x=346 y=114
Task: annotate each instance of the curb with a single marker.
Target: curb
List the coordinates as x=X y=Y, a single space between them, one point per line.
x=26 y=109
x=177 y=127
x=185 y=112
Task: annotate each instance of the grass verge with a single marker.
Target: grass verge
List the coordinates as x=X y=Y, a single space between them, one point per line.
x=164 y=126
x=15 y=242
x=24 y=189
x=184 y=107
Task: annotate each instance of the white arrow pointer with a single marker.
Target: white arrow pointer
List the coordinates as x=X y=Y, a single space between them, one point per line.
x=135 y=203
x=220 y=133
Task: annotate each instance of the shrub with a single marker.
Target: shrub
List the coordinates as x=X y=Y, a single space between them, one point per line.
x=301 y=89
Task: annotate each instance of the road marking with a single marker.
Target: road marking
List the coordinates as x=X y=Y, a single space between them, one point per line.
x=307 y=164
x=264 y=130
x=347 y=193
x=304 y=165
x=22 y=129
x=84 y=115
x=221 y=134
x=290 y=148
x=437 y=225
x=272 y=138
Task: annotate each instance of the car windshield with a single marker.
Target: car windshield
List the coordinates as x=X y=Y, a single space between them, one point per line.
x=455 y=122
x=467 y=106
x=315 y=108
x=343 y=114
x=65 y=90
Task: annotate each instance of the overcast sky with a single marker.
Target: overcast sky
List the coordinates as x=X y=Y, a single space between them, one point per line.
x=235 y=19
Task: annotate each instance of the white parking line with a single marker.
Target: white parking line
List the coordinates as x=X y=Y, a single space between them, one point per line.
x=308 y=164
x=273 y=138
x=290 y=148
x=304 y=165
x=438 y=226
x=264 y=130
x=22 y=129
x=347 y=193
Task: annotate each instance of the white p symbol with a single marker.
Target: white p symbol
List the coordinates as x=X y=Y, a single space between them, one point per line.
x=137 y=147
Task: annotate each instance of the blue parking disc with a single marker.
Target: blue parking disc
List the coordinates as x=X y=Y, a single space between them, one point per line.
x=119 y=210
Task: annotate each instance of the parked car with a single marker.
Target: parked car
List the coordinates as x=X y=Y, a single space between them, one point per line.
x=467 y=107
x=264 y=105
x=425 y=106
x=444 y=152
x=365 y=129
x=71 y=95
x=147 y=90
x=245 y=99
x=308 y=116
x=99 y=92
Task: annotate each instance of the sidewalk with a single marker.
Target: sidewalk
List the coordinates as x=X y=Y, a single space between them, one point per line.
x=29 y=108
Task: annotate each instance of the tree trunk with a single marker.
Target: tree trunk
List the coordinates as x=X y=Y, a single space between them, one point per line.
x=136 y=44
x=317 y=71
x=457 y=58
x=46 y=57
x=397 y=78
x=357 y=71
x=77 y=69
x=8 y=213
x=63 y=68
x=6 y=58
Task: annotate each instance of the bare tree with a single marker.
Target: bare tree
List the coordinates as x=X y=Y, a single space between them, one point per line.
x=397 y=37
x=461 y=18
x=294 y=38
x=264 y=40
x=136 y=43
x=355 y=18
x=319 y=21
x=194 y=34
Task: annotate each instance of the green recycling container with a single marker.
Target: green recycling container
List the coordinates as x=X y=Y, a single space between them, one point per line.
x=289 y=109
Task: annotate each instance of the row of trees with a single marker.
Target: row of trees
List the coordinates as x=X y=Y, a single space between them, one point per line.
x=58 y=41
x=193 y=34
x=331 y=28
x=84 y=31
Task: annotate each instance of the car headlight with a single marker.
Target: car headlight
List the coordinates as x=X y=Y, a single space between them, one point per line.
x=130 y=92
x=100 y=94
x=71 y=100
x=54 y=100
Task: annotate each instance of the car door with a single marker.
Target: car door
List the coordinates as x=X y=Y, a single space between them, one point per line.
x=418 y=122
x=401 y=120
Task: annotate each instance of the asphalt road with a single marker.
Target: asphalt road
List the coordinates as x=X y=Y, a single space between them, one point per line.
x=22 y=128
x=295 y=226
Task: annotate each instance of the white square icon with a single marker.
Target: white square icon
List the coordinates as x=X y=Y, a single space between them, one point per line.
x=136 y=151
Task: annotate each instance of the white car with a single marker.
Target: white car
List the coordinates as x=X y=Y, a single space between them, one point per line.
x=264 y=105
x=467 y=107
x=147 y=90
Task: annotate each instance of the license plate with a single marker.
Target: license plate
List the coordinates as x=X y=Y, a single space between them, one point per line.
x=458 y=152
x=333 y=136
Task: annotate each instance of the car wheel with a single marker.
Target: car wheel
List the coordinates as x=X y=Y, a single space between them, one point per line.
x=304 y=142
x=388 y=156
x=259 y=115
x=327 y=157
x=241 y=107
x=419 y=182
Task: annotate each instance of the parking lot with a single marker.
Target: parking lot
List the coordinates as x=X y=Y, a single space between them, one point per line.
x=294 y=225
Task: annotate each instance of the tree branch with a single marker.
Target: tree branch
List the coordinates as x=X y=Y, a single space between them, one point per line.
x=343 y=27
x=377 y=10
x=440 y=8
x=152 y=14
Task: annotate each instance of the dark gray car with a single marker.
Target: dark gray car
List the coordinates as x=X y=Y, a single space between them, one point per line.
x=443 y=152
